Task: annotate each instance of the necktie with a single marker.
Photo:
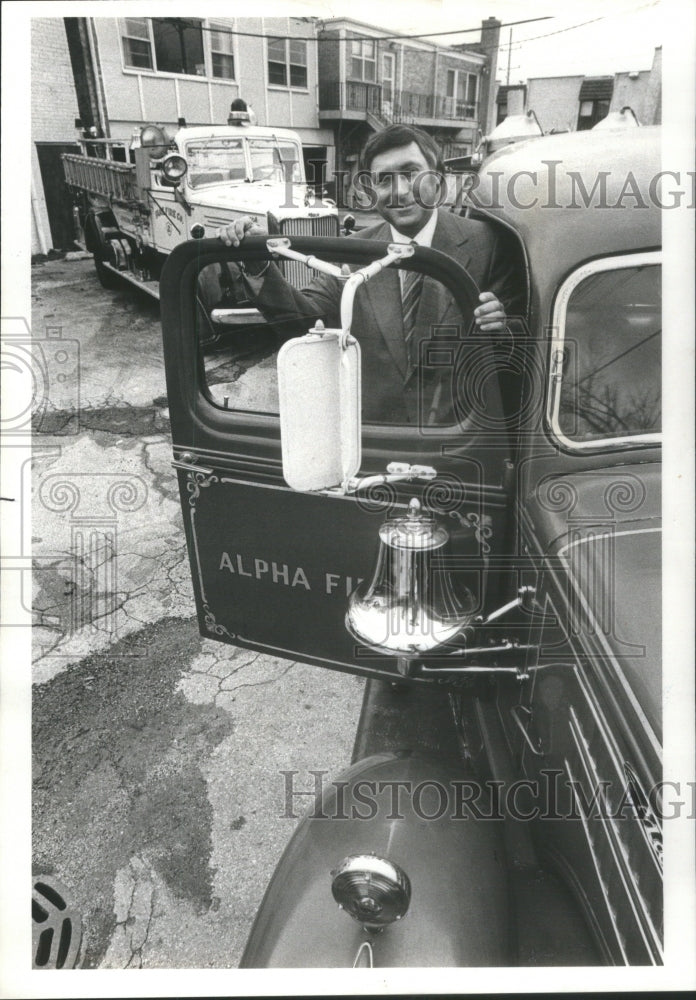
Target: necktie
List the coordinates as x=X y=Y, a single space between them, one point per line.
x=412 y=284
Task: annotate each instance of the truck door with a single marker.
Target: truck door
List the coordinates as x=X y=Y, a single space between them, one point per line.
x=170 y=223
x=273 y=568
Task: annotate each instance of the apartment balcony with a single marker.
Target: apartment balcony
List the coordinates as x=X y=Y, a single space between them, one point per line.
x=368 y=102
x=349 y=100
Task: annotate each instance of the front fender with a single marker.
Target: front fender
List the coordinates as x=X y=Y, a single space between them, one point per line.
x=456 y=863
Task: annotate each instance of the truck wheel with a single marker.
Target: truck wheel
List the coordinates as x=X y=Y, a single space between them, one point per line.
x=107 y=278
x=96 y=236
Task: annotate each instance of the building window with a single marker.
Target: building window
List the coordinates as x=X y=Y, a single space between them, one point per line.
x=137 y=50
x=591 y=112
x=462 y=91
x=165 y=44
x=450 y=150
x=298 y=63
x=221 y=54
x=363 y=62
x=595 y=97
x=179 y=45
x=287 y=61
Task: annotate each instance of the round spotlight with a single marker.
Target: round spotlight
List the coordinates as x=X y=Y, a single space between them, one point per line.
x=153 y=138
x=174 y=167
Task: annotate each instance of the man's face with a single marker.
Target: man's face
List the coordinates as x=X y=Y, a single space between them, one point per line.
x=406 y=186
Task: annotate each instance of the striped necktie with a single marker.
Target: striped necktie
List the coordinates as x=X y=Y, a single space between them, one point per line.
x=411 y=287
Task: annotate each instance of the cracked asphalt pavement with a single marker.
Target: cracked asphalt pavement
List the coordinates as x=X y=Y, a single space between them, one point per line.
x=158 y=797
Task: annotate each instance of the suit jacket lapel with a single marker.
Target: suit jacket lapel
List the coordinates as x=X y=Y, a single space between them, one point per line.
x=383 y=293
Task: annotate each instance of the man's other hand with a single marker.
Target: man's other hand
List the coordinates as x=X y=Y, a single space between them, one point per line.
x=233 y=234
x=490 y=315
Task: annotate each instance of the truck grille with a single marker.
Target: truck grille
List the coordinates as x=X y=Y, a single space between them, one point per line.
x=326 y=225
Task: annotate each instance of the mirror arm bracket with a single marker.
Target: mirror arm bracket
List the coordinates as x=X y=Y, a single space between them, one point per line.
x=397 y=472
x=280 y=246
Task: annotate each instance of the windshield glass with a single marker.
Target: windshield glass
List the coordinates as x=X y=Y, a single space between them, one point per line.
x=215 y=161
x=268 y=157
x=611 y=383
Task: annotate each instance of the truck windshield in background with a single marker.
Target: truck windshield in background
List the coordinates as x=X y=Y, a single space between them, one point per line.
x=215 y=161
x=221 y=160
x=268 y=157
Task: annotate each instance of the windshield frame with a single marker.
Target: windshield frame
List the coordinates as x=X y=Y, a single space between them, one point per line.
x=275 y=142
x=554 y=383
x=212 y=139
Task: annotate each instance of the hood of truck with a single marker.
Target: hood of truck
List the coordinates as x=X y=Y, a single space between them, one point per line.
x=257 y=199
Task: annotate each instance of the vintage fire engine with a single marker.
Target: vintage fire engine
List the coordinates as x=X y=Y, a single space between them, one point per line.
x=185 y=184
x=503 y=804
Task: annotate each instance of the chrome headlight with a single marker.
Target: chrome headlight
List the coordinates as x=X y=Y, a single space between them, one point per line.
x=174 y=167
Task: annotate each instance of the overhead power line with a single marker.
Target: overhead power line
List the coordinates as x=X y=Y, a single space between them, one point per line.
x=572 y=27
x=354 y=35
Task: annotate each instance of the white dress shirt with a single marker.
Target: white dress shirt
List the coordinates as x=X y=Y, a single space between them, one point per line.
x=424 y=238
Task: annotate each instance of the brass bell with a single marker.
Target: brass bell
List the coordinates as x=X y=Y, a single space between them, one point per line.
x=410 y=606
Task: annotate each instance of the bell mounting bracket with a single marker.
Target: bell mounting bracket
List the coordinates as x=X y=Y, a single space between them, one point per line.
x=475 y=631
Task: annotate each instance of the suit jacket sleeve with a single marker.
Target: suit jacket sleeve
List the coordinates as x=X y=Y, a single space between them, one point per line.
x=293 y=311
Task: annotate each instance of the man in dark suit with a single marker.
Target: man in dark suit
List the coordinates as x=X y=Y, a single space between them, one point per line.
x=391 y=314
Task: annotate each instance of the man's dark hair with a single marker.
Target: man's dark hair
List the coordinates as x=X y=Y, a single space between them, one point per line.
x=396 y=136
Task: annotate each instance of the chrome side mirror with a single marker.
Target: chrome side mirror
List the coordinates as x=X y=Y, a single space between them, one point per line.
x=319 y=386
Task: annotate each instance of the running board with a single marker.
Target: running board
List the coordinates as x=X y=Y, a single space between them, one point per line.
x=151 y=287
x=236 y=317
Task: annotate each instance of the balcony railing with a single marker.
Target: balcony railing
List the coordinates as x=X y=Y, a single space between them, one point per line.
x=350 y=96
x=404 y=106
x=409 y=106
